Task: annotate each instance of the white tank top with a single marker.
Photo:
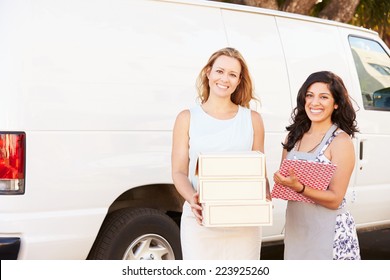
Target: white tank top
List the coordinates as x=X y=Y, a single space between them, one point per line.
x=208 y=134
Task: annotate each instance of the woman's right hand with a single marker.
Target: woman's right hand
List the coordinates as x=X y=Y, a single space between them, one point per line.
x=196 y=208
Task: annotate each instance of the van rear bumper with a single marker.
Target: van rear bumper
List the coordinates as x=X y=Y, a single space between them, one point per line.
x=9 y=248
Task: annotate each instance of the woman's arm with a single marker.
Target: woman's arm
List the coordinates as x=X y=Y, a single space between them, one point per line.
x=258 y=143
x=180 y=162
x=341 y=153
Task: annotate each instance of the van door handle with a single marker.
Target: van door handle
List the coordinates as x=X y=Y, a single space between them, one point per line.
x=361 y=150
x=362 y=145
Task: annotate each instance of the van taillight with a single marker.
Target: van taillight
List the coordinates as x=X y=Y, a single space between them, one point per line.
x=12 y=162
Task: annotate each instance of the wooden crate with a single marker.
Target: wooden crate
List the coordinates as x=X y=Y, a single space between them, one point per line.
x=237 y=213
x=232 y=189
x=231 y=165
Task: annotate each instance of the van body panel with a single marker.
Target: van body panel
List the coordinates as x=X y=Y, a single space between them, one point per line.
x=57 y=235
x=72 y=179
x=265 y=55
x=310 y=48
x=64 y=60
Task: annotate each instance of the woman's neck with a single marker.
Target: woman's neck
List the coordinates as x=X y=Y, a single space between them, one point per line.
x=219 y=105
x=319 y=128
x=220 y=110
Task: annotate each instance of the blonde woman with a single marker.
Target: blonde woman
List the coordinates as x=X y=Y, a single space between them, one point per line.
x=221 y=122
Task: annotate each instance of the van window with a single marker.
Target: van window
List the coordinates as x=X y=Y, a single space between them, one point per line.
x=373 y=68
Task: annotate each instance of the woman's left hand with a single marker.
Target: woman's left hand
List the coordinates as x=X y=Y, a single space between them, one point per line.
x=290 y=181
x=196 y=208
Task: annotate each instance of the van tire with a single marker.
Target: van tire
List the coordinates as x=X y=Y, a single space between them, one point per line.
x=126 y=231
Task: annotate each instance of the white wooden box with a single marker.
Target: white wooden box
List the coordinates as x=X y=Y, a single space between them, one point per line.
x=237 y=213
x=231 y=165
x=233 y=189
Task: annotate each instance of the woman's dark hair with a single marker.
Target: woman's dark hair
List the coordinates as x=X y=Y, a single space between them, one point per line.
x=344 y=116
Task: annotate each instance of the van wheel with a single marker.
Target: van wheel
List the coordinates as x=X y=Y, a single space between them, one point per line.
x=137 y=234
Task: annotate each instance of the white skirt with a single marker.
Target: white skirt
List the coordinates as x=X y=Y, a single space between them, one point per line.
x=217 y=243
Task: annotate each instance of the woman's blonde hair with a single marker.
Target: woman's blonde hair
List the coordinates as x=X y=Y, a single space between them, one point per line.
x=244 y=92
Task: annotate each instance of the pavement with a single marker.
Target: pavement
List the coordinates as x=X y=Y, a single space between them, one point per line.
x=374 y=245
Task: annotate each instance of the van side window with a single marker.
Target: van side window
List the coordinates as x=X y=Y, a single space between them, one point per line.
x=373 y=68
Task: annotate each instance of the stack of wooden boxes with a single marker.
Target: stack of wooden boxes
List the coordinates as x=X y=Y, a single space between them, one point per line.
x=232 y=189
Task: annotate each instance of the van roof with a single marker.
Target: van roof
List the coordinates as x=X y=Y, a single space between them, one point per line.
x=257 y=10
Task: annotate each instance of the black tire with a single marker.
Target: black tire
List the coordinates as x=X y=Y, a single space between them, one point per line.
x=137 y=234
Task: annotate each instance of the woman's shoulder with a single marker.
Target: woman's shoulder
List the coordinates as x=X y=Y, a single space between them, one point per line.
x=342 y=149
x=341 y=140
x=256 y=116
x=257 y=121
x=341 y=136
x=183 y=116
x=186 y=113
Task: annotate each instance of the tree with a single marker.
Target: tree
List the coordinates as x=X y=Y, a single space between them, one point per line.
x=268 y=4
x=371 y=14
x=337 y=10
x=375 y=15
x=299 y=7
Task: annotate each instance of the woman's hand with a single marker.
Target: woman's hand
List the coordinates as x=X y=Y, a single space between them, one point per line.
x=290 y=181
x=196 y=208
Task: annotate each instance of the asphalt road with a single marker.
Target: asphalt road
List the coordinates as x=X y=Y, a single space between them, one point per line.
x=374 y=245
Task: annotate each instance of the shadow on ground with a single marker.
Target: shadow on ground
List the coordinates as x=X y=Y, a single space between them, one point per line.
x=374 y=245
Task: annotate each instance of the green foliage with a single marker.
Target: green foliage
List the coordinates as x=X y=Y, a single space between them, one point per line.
x=374 y=15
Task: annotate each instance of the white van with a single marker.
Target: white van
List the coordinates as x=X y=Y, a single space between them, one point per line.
x=89 y=93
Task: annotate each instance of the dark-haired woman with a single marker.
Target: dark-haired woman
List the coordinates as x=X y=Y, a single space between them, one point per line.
x=323 y=124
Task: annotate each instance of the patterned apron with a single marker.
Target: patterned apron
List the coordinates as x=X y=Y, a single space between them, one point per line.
x=310 y=228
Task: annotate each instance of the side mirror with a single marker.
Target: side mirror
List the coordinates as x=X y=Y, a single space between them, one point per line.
x=381 y=98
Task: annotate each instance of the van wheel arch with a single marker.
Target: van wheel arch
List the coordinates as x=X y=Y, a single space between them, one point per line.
x=137 y=233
